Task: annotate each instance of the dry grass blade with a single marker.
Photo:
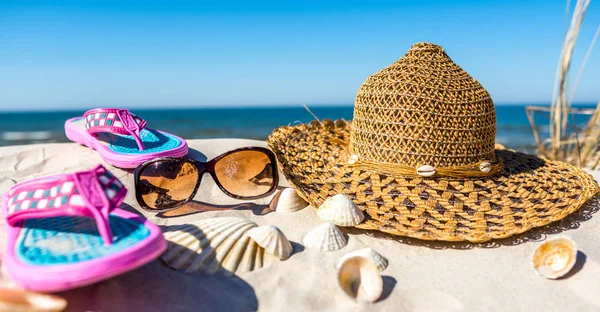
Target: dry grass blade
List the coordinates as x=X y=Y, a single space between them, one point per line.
x=565 y=142
x=592 y=131
x=560 y=106
x=310 y=112
x=530 y=110
x=590 y=145
x=585 y=59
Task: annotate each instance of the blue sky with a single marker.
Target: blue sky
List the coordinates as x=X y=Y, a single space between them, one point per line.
x=80 y=54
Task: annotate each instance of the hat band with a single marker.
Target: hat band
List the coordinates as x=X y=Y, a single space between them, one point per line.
x=481 y=169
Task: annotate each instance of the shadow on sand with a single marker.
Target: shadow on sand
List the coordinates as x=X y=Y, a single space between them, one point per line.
x=194 y=207
x=155 y=287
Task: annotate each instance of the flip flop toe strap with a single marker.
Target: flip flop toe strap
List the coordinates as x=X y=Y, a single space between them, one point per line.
x=113 y=120
x=94 y=193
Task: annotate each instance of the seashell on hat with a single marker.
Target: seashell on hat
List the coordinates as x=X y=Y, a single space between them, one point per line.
x=419 y=158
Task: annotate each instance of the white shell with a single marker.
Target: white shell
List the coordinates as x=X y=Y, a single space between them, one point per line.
x=426 y=171
x=340 y=210
x=376 y=258
x=485 y=167
x=555 y=257
x=215 y=243
x=352 y=159
x=290 y=201
x=360 y=279
x=325 y=237
x=272 y=240
x=26 y=301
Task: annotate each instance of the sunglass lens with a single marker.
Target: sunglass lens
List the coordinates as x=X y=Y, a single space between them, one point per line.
x=167 y=183
x=246 y=173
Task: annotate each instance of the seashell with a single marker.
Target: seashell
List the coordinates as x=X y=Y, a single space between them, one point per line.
x=485 y=167
x=426 y=171
x=326 y=237
x=26 y=301
x=360 y=279
x=352 y=159
x=555 y=257
x=340 y=210
x=314 y=124
x=376 y=258
x=290 y=201
x=327 y=123
x=215 y=243
x=272 y=240
x=340 y=123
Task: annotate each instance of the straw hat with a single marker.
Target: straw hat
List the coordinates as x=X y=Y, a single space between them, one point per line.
x=419 y=158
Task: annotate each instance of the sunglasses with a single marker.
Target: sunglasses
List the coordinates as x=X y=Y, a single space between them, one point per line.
x=170 y=182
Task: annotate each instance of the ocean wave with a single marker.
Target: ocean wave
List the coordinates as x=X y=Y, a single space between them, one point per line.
x=25 y=135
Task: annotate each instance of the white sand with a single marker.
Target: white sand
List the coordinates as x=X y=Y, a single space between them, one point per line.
x=422 y=276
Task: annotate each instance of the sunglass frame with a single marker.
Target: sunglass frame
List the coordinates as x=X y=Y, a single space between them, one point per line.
x=205 y=167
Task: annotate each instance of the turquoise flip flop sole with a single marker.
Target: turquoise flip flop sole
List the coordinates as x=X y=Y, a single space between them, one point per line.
x=69 y=240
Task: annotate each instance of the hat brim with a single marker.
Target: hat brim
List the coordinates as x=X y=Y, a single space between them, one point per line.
x=530 y=192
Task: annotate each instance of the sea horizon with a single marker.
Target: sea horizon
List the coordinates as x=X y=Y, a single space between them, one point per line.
x=46 y=109
x=248 y=122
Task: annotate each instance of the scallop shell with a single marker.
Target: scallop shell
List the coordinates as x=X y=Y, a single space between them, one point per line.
x=272 y=240
x=340 y=210
x=485 y=167
x=26 y=301
x=360 y=279
x=376 y=258
x=426 y=171
x=211 y=244
x=325 y=237
x=555 y=257
x=290 y=201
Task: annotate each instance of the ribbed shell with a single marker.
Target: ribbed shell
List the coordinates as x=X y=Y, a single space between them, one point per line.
x=340 y=210
x=272 y=240
x=376 y=258
x=211 y=244
x=290 y=201
x=326 y=237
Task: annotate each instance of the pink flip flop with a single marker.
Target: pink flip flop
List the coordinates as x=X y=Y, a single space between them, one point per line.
x=65 y=231
x=122 y=138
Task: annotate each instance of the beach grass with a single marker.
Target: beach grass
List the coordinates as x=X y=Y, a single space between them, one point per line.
x=568 y=141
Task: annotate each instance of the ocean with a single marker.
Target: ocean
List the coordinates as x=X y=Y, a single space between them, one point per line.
x=513 y=128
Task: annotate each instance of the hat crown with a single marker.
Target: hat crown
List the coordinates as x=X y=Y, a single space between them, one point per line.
x=423 y=110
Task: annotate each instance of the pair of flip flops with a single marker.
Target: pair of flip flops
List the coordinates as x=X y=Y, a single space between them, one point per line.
x=66 y=231
x=122 y=138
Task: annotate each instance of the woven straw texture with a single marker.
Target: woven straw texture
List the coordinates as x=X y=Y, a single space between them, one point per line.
x=423 y=110
x=404 y=116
